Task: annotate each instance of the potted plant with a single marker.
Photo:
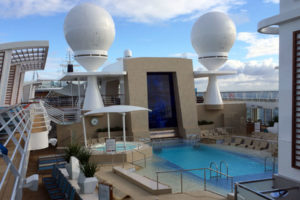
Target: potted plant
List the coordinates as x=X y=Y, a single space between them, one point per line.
x=86 y=181
x=73 y=150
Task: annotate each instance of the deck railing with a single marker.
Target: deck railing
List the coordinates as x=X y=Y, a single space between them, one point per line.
x=15 y=131
x=181 y=171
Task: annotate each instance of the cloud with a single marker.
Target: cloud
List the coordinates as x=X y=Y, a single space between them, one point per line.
x=21 y=8
x=146 y=11
x=252 y=75
x=259 y=45
x=185 y=55
x=271 y=1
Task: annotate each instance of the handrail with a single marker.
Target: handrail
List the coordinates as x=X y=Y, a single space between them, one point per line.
x=226 y=165
x=273 y=159
x=188 y=170
x=132 y=160
x=210 y=165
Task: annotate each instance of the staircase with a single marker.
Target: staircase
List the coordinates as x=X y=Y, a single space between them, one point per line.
x=60 y=116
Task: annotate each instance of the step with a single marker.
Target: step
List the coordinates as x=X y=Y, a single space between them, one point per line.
x=143 y=182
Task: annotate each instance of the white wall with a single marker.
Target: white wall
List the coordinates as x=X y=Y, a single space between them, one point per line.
x=285 y=100
x=285 y=5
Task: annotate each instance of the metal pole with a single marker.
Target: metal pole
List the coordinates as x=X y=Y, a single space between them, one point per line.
x=181 y=184
x=108 y=125
x=78 y=87
x=156 y=181
x=84 y=131
x=231 y=184
x=124 y=131
x=204 y=180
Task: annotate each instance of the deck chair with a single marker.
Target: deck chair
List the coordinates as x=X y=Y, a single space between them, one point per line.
x=263 y=145
x=255 y=145
x=237 y=141
x=227 y=141
x=247 y=143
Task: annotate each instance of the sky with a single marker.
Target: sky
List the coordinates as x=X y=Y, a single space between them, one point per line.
x=154 y=28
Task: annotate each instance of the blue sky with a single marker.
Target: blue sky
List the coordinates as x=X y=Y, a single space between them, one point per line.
x=154 y=28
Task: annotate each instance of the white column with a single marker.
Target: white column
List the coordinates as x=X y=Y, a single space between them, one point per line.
x=20 y=95
x=213 y=95
x=93 y=99
x=4 y=76
x=122 y=90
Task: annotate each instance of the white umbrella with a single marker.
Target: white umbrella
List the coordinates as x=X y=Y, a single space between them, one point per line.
x=121 y=109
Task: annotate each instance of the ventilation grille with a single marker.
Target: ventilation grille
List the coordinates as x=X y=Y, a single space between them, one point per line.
x=296 y=101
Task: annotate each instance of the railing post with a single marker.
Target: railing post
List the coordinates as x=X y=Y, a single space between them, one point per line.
x=204 y=179
x=156 y=180
x=231 y=184
x=181 y=183
x=145 y=162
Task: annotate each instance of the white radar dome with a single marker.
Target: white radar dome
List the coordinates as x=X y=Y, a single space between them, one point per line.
x=212 y=37
x=89 y=31
x=127 y=53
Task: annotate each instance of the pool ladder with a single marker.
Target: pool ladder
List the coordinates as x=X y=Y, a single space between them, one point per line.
x=223 y=162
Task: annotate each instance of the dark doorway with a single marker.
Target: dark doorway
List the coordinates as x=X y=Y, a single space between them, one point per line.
x=161 y=100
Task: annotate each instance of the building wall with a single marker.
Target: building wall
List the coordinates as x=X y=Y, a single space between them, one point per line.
x=74 y=132
x=285 y=100
x=233 y=115
x=136 y=92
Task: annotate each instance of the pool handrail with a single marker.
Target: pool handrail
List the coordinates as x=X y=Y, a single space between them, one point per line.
x=226 y=165
x=210 y=165
x=144 y=155
x=188 y=170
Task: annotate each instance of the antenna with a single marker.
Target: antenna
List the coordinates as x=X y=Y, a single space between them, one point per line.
x=69 y=63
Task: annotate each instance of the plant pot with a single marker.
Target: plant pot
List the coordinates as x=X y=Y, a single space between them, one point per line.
x=87 y=184
x=73 y=168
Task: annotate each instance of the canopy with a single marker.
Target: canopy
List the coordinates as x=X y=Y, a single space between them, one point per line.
x=116 y=109
x=122 y=109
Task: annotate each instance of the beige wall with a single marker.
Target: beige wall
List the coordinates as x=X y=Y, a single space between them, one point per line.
x=112 y=87
x=74 y=132
x=232 y=115
x=136 y=92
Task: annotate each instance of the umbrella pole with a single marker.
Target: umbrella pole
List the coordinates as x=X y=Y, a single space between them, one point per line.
x=84 y=131
x=124 y=134
x=108 y=125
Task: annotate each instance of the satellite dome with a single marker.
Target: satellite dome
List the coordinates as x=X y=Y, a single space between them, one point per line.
x=212 y=37
x=127 y=53
x=89 y=31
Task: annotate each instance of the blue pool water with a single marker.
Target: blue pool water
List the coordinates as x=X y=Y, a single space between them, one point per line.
x=241 y=166
x=119 y=147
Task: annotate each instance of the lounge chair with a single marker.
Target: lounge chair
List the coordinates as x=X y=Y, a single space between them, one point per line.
x=227 y=141
x=247 y=143
x=254 y=144
x=237 y=141
x=262 y=145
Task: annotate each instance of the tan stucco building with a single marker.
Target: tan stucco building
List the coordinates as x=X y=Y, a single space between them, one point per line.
x=164 y=85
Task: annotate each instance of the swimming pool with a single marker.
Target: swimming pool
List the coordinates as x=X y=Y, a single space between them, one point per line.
x=182 y=155
x=119 y=146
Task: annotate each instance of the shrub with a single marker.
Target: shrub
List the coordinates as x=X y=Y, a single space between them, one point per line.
x=204 y=122
x=84 y=156
x=72 y=150
x=89 y=169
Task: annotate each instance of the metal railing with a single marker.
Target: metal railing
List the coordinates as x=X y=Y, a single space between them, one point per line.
x=273 y=160
x=181 y=171
x=16 y=124
x=144 y=158
x=62 y=116
x=226 y=165
x=243 y=190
